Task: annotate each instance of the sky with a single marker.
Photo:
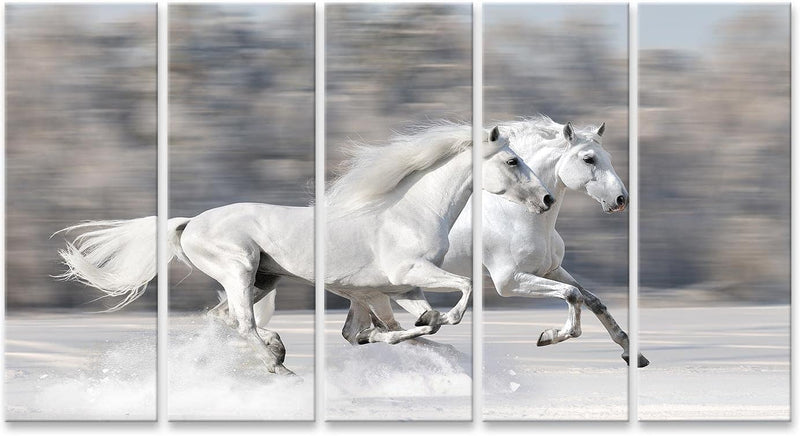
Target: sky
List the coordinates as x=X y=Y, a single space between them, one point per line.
x=675 y=26
x=613 y=15
x=690 y=26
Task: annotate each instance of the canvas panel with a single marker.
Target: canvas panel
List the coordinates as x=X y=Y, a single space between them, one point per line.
x=80 y=145
x=546 y=66
x=393 y=68
x=714 y=140
x=241 y=112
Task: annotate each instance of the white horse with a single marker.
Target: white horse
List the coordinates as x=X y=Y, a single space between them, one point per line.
x=522 y=251
x=389 y=218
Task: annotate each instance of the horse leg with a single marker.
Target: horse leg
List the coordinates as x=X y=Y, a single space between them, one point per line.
x=375 y=308
x=266 y=343
x=520 y=284
x=599 y=309
x=263 y=308
x=264 y=293
x=415 y=303
x=223 y=313
x=358 y=320
x=424 y=274
x=234 y=266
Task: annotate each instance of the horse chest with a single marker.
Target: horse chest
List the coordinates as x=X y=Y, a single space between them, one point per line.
x=538 y=252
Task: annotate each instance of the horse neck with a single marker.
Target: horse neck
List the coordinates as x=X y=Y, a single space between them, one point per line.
x=543 y=161
x=443 y=190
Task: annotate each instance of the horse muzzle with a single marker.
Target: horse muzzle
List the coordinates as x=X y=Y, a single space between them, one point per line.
x=542 y=206
x=620 y=204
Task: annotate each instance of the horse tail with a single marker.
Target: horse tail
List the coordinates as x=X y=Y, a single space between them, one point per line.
x=175 y=228
x=118 y=257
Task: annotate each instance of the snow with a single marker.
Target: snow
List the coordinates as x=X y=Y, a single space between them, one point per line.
x=579 y=379
x=715 y=363
x=215 y=375
x=80 y=366
x=103 y=366
x=401 y=382
x=707 y=364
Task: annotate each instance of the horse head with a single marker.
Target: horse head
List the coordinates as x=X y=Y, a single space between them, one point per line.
x=507 y=175
x=585 y=166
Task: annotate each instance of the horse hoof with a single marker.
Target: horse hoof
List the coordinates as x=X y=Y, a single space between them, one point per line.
x=548 y=337
x=640 y=364
x=430 y=318
x=363 y=337
x=282 y=370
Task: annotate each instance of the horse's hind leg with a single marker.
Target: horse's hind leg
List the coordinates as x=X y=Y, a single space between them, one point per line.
x=263 y=302
x=599 y=309
x=234 y=266
x=266 y=343
x=376 y=309
x=264 y=298
x=376 y=334
x=359 y=318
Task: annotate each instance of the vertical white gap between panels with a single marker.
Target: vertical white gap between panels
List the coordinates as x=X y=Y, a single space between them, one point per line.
x=319 y=211
x=794 y=259
x=477 y=221
x=633 y=234
x=3 y=182
x=162 y=325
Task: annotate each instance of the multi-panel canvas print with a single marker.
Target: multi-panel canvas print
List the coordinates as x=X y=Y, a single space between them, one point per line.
x=399 y=162
x=714 y=226
x=241 y=228
x=349 y=127
x=555 y=293
x=80 y=165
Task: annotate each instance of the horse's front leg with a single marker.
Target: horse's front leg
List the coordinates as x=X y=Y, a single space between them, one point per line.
x=521 y=284
x=415 y=303
x=424 y=274
x=601 y=311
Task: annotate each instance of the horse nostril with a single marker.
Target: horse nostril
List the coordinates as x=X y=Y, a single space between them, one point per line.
x=621 y=200
x=548 y=200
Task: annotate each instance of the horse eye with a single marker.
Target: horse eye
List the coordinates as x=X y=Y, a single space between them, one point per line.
x=512 y=162
x=589 y=160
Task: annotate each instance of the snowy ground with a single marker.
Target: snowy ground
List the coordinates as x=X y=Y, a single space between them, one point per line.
x=707 y=364
x=398 y=382
x=715 y=363
x=102 y=367
x=215 y=375
x=80 y=366
x=580 y=379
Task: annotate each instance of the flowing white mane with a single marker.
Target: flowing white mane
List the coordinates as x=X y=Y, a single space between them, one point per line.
x=370 y=172
x=544 y=131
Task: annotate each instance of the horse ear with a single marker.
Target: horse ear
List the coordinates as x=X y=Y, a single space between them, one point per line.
x=569 y=132
x=601 y=129
x=495 y=134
